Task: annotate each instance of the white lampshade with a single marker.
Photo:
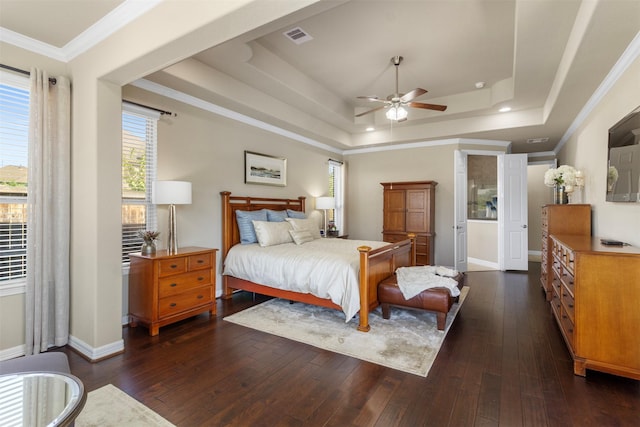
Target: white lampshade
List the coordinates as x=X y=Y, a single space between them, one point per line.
x=325 y=203
x=171 y=193
x=396 y=113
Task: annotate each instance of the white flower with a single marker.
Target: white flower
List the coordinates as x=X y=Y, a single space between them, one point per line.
x=564 y=175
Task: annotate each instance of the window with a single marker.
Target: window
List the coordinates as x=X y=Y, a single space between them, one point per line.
x=336 y=190
x=482 y=176
x=139 y=141
x=14 y=141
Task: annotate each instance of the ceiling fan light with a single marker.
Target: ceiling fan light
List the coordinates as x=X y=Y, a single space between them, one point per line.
x=396 y=113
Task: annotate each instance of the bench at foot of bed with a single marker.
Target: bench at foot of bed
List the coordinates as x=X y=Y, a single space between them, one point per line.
x=434 y=299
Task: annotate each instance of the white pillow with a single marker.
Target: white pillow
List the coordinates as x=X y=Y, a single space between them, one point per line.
x=272 y=233
x=305 y=224
x=301 y=236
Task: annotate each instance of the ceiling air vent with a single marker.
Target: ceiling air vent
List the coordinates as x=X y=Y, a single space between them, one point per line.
x=537 y=140
x=297 y=35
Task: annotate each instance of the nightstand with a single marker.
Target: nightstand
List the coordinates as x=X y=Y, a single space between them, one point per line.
x=166 y=288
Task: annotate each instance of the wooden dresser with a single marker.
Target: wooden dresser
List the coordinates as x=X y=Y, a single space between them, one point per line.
x=560 y=219
x=596 y=302
x=165 y=288
x=409 y=207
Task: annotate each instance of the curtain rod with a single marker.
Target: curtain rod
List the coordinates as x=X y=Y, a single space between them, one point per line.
x=337 y=161
x=52 y=80
x=162 y=112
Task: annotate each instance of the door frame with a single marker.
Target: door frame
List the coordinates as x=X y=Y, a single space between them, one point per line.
x=460 y=191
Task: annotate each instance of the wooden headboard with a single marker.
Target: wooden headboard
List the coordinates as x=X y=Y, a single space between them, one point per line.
x=230 y=204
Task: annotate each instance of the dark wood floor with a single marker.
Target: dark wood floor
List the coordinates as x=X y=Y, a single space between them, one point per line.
x=503 y=363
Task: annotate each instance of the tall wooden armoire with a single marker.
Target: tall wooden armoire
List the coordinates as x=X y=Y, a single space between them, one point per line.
x=409 y=207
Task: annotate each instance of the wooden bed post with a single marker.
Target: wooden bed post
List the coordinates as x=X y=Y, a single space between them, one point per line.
x=363 y=325
x=227 y=238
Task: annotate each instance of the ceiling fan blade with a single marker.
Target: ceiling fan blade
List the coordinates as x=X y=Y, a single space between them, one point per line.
x=427 y=106
x=371 y=98
x=370 y=111
x=413 y=94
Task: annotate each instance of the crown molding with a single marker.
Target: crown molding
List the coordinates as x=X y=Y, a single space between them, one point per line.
x=630 y=54
x=32 y=45
x=122 y=15
x=230 y=114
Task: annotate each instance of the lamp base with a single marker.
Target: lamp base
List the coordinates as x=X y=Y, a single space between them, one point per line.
x=172 y=244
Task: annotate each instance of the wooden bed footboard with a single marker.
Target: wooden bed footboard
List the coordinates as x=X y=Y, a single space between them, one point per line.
x=375 y=265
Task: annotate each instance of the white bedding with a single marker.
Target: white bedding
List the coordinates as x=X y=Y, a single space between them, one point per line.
x=326 y=268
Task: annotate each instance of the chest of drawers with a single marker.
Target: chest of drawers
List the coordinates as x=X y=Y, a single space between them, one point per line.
x=560 y=219
x=165 y=288
x=596 y=303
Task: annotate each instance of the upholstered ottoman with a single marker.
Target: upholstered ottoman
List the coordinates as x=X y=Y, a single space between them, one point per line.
x=434 y=299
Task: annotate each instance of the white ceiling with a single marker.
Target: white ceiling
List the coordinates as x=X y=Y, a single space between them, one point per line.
x=544 y=59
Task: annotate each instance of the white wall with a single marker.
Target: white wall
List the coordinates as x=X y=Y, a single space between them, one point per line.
x=587 y=151
x=482 y=241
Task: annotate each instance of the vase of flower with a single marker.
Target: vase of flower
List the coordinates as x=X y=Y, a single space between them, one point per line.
x=562 y=180
x=148 y=241
x=560 y=196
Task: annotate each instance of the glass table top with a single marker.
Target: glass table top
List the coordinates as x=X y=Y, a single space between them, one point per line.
x=40 y=399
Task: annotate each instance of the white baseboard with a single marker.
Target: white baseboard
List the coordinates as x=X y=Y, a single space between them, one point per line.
x=80 y=346
x=535 y=256
x=13 y=352
x=483 y=263
x=95 y=354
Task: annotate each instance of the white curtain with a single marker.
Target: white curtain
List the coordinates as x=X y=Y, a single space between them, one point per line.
x=48 y=199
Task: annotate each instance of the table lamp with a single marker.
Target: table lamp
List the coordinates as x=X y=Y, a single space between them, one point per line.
x=325 y=203
x=171 y=193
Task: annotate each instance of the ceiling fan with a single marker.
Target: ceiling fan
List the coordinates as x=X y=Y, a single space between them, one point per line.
x=396 y=102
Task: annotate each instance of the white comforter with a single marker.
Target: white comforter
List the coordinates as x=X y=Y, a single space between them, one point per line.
x=326 y=268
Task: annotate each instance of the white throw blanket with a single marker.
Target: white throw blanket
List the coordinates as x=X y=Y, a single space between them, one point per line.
x=413 y=280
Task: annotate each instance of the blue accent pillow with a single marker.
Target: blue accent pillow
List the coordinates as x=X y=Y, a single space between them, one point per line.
x=296 y=214
x=245 y=226
x=276 y=216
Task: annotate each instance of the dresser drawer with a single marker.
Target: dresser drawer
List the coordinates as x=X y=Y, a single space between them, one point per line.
x=184 y=301
x=200 y=261
x=567 y=279
x=176 y=284
x=567 y=327
x=556 y=284
x=167 y=267
x=556 y=305
x=568 y=304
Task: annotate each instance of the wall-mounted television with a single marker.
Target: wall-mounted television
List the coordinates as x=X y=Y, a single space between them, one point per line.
x=623 y=172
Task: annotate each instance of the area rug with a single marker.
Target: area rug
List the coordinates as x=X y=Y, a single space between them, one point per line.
x=409 y=341
x=110 y=406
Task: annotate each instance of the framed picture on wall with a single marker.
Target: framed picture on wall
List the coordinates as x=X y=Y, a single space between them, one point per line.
x=264 y=169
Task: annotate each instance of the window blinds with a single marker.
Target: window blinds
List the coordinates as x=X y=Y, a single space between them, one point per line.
x=14 y=140
x=139 y=142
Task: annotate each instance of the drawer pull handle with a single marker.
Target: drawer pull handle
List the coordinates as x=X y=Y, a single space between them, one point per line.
x=173 y=285
x=200 y=297
x=200 y=261
x=200 y=279
x=173 y=304
x=174 y=266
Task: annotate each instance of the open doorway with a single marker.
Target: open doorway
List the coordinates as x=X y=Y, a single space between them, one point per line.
x=482 y=212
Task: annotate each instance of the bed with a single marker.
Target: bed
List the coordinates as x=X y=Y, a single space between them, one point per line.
x=374 y=264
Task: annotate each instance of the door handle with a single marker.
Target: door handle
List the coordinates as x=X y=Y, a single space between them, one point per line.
x=524 y=226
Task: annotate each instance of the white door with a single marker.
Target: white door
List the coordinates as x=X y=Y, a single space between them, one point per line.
x=460 y=211
x=513 y=244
